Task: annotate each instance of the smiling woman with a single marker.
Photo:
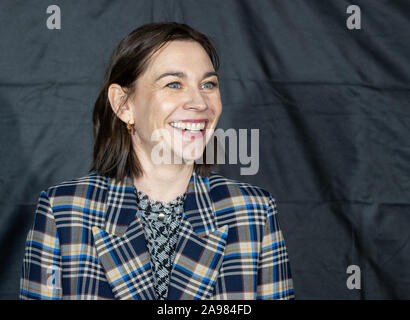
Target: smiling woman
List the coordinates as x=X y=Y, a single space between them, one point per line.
x=136 y=228
x=175 y=96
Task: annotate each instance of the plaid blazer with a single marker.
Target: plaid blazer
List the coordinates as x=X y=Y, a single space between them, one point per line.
x=87 y=242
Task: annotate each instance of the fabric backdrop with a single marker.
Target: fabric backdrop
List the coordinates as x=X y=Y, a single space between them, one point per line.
x=331 y=104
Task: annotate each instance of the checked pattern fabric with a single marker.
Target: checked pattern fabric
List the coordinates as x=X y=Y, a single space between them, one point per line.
x=88 y=242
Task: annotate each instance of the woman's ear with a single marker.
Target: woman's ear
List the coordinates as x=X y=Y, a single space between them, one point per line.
x=117 y=96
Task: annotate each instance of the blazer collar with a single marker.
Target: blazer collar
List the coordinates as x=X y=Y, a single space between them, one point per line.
x=122 y=203
x=123 y=253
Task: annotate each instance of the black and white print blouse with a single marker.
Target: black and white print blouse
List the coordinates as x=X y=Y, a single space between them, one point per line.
x=161 y=222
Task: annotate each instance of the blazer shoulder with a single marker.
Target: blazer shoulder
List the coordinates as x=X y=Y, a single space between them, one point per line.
x=77 y=186
x=236 y=187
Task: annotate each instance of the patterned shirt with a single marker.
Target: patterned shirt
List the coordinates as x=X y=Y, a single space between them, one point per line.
x=161 y=222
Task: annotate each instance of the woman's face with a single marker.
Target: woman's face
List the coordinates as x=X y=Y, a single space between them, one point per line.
x=176 y=104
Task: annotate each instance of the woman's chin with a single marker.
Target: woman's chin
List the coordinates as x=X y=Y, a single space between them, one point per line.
x=191 y=157
x=188 y=152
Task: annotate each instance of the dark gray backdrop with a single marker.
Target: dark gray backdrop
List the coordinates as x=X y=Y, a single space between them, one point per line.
x=332 y=106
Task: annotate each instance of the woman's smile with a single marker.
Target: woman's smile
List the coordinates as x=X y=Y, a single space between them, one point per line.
x=190 y=128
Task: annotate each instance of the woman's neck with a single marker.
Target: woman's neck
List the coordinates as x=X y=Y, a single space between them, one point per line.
x=165 y=182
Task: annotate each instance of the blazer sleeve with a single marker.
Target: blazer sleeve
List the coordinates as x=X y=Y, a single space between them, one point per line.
x=274 y=275
x=41 y=270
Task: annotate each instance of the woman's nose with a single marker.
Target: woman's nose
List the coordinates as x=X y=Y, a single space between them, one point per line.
x=195 y=100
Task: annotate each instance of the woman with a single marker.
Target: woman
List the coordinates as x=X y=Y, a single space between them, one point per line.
x=148 y=222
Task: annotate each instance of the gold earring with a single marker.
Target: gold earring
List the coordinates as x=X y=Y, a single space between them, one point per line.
x=129 y=128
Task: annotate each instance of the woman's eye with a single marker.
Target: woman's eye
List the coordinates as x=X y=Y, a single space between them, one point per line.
x=174 y=85
x=209 y=85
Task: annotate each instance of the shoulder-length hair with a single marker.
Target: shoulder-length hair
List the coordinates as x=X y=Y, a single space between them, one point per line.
x=113 y=154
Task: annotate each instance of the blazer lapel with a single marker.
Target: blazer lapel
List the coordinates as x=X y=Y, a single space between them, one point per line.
x=200 y=247
x=124 y=255
x=121 y=245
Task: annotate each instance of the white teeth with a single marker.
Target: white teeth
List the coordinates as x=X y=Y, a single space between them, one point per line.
x=197 y=126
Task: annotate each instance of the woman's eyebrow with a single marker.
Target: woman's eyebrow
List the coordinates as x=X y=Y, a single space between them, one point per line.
x=182 y=75
x=175 y=74
x=210 y=74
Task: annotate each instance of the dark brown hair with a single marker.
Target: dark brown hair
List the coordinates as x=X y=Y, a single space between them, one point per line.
x=113 y=152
